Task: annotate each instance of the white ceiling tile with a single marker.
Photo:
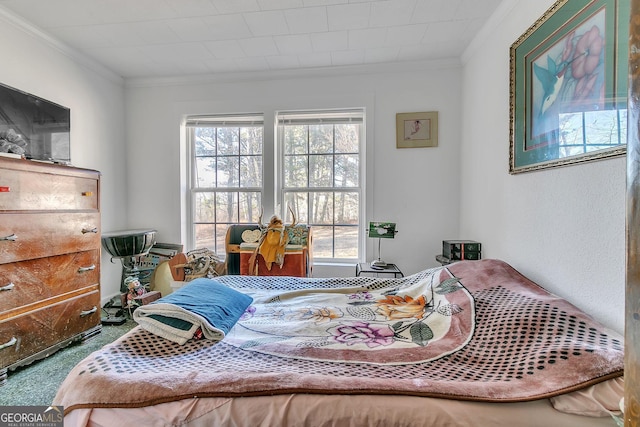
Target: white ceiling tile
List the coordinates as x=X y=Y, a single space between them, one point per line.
x=270 y=23
x=165 y=37
x=369 y=38
x=225 y=27
x=405 y=34
x=192 y=67
x=291 y=45
x=259 y=46
x=447 y=49
x=279 y=4
x=307 y=20
x=257 y=63
x=413 y=53
x=177 y=52
x=187 y=8
x=444 y=31
x=236 y=6
x=333 y=40
x=311 y=3
x=448 y=10
x=428 y=11
x=310 y=60
x=222 y=65
x=381 y=54
x=225 y=49
x=283 y=62
x=190 y=29
x=347 y=57
x=391 y=12
x=153 y=32
x=469 y=9
x=113 y=11
x=348 y=17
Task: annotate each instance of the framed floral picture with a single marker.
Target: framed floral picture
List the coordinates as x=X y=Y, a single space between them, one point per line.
x=568 y=86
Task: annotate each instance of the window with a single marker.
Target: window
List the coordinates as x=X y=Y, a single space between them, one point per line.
x=226 y=176
x=320 y=177
x=586 y=131
x=317 y=174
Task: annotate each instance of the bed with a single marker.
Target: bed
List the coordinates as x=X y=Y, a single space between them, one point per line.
x=471 y=343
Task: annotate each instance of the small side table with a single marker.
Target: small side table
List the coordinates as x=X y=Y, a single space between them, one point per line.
x=365 y=267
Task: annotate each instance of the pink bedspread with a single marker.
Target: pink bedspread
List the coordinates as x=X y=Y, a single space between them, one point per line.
x=477 y=330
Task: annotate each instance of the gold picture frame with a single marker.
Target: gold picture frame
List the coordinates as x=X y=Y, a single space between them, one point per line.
x=414 y=130
x=568 y=100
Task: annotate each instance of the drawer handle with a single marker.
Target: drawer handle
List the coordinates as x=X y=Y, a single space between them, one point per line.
x=89 y=230
x=83 y=269
x=10 y=343
x=7 y=287
x=12 y=237
x=86 y=313
x=87 y=193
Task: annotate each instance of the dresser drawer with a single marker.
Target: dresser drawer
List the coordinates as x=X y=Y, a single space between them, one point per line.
x=35 y=235
x=28 y=190
x=45 y=280
x=26 y=335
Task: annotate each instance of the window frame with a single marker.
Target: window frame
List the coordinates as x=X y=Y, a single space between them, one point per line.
x=272 y=191
x=217 y=121
x=324 y=116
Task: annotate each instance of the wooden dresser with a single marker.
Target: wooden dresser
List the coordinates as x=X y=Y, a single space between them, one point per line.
x=49 y=259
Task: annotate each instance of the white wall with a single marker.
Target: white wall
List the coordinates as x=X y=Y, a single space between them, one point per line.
x=417 y=188
x=35 y=64
x=565 y=227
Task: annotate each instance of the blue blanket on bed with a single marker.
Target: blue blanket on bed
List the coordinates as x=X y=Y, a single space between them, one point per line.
x=203 y=304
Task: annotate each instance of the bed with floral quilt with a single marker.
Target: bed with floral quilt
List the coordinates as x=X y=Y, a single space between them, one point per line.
x=471 y=343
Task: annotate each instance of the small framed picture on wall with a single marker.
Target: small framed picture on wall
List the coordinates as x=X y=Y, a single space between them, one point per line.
x=415 y=130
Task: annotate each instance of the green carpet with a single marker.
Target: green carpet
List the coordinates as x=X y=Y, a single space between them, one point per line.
x=36 y=384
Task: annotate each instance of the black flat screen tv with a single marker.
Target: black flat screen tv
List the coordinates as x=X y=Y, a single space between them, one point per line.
x=34 y=127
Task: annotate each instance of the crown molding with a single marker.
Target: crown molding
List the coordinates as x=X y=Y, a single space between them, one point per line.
x=319 y=72
x=8 y=17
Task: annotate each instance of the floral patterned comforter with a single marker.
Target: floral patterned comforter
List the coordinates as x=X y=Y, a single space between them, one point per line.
x=367 y=320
